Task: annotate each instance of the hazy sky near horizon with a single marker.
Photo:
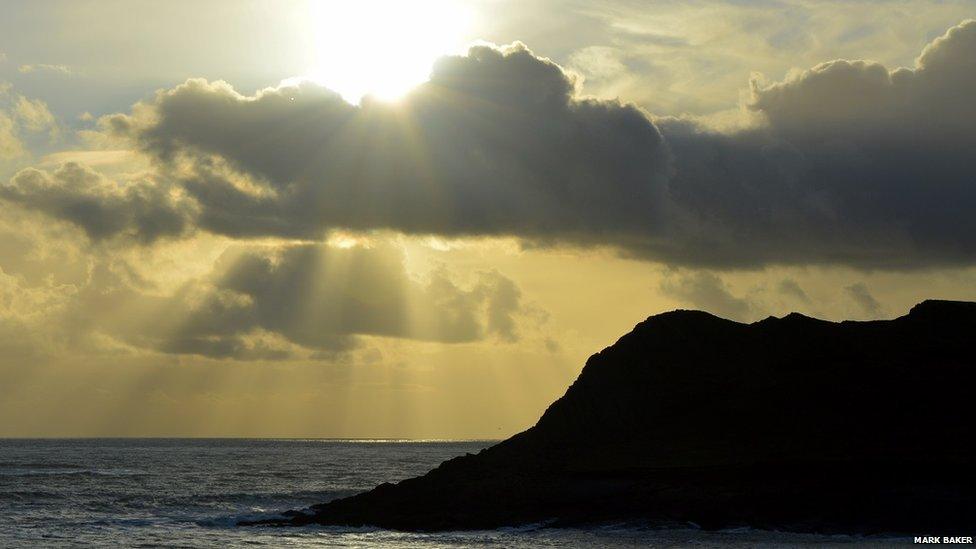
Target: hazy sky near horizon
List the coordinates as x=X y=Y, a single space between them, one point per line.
x=366 y=219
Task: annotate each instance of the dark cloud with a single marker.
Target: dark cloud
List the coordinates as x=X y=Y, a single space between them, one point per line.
x=853 y=164
x=143 y=209
x=862 y=100
x=856 y=165
x=262 y=302
x=495 y=144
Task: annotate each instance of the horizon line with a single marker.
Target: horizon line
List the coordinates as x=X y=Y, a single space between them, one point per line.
x=325 y=439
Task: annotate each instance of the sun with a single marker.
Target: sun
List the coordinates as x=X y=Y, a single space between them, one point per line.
x=381 y=48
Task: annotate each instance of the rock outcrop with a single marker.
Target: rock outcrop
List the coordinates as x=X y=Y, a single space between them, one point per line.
x=788 y=423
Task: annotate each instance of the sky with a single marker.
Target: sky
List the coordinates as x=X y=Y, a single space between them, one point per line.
x=370 y=219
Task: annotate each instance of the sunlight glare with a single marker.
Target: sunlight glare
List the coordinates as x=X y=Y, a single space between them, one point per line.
x=382 y=48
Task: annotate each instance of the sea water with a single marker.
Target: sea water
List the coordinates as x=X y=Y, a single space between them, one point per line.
x=192 y=493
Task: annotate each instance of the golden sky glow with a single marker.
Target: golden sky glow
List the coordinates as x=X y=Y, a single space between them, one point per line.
x=200 y=238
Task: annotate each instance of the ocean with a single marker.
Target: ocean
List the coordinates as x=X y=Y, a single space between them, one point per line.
x=192 y=493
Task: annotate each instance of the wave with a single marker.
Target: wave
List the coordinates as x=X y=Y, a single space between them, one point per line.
x=66 y=471
x=38 y=465
x=233 y=520
x=30 y=495
x=317 y=495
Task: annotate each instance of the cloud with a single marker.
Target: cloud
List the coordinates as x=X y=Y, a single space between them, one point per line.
x=10 y=144
x=20 y=115
x=855 y=165
x=503 y=299
x=862 y=99
x=852 y=163
x=599 y=62
x=96 y=159
x=34 y=115
x=44 y=67
x=144 y=209
x=705 y=290
x=259 y=300
x=790 y=288
x=367 y=291
x=862 y=297
x=274 y=301
x=31 y=308
x=495 y=144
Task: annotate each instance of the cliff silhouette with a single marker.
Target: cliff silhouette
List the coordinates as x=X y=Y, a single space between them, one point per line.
x=788 y=423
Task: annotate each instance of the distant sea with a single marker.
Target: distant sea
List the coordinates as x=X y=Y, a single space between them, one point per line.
x=192 y=493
